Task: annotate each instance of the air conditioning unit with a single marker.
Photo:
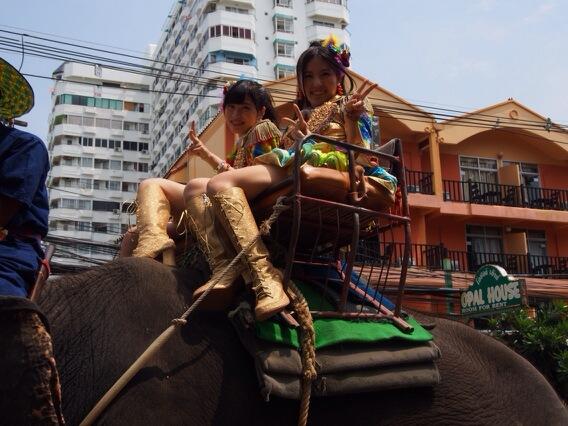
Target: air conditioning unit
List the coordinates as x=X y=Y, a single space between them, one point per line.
x=116 y=211
x=118 y=149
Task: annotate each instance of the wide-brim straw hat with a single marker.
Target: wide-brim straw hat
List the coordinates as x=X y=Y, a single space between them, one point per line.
x=16 y=94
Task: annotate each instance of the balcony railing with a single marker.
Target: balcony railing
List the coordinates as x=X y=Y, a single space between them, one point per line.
x=505 y=195
x=432 y=257
x=419 y=182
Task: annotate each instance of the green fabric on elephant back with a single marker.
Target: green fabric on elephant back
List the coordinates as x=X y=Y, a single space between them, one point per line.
x=332 y=331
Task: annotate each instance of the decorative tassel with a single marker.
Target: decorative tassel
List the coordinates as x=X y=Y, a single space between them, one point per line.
x=265 y=130
x=340 y=89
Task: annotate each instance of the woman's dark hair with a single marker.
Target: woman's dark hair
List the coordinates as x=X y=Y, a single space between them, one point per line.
x=315 y=50
x=237 y=93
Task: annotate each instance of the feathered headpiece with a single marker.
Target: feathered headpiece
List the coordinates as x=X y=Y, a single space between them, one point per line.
x=339 y=50
x=227 y=86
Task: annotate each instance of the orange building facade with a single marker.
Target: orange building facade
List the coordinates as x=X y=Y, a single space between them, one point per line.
x=490 y=186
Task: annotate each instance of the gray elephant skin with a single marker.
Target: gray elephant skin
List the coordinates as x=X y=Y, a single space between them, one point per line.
x=103 y=319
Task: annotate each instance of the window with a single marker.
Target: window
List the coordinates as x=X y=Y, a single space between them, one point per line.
x=100 y=184
x=103 y=122
x=74 y=119
x=89 y=101
x=101 y=143
x=478 y=169
x=114 y=185
x=105 y=206
x=283 y=3
x=484 y=245
x=236 y=10
x=86 y=183
x=87 y=141
x=86 y=162
x=142 y=146
x=130 y=125
x=339 y=2
x=229 y=31
x=130 y=146
x=324 y=24
x=101 y=164
x=129 y=187
x=284 y=48
x=115 y=165
x=116 y=124
x=282 y=71
x=483 y=171
x=129 y=166
x=283 y=24
x=143 y=167
x=89 y=121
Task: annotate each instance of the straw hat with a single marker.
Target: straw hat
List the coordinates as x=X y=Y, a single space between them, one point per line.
x=16 y=94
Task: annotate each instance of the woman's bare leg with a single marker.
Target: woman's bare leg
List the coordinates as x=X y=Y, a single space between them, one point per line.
x=253 y=179
x=173 y=192
x=195 y=187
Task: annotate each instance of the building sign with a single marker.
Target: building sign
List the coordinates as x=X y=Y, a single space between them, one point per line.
x=492 y=290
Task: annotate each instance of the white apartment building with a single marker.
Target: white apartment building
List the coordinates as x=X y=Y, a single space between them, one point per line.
x=206 y=42
x=98 y=142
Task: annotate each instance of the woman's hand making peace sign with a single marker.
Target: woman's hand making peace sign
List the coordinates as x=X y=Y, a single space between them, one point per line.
x=298 y=129
x=355 y=106
x=196 y=147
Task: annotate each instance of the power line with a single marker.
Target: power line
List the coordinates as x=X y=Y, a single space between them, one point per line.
x=161 y=70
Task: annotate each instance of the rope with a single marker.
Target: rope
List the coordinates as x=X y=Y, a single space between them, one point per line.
x=308 y=351
x=155 y=346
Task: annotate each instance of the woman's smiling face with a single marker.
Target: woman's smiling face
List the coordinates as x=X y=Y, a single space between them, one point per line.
x=319 y=82
x=241 y=117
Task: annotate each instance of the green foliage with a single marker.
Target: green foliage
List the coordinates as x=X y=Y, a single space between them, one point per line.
x=543 y=340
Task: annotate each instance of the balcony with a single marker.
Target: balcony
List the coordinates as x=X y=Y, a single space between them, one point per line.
x=419 y=182
x=505 y=195
x=321 y=32
x=328 y=10
x=432 y=257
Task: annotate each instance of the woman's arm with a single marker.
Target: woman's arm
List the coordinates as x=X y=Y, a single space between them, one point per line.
x=357 y=113
x=197 y=147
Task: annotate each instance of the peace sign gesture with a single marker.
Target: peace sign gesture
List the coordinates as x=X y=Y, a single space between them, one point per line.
x=298 y=129
x=355 y=106
x=196 y=147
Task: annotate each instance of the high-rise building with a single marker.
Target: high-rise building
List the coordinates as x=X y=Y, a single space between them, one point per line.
x=207 y=41
x=99 y=149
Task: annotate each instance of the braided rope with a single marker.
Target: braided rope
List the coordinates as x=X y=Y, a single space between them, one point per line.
x=278 y=208
x=307 y=347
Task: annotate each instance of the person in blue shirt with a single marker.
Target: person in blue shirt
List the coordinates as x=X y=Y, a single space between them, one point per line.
x=30 y=392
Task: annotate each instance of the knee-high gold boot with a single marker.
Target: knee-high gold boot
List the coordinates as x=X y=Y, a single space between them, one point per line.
x=219 y=251
x=152 y=216
x=234 y=212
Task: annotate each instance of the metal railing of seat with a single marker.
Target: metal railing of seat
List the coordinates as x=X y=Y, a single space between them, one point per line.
x=505 y=195
x=322 y=238
x=438 y=257
x=419 y=182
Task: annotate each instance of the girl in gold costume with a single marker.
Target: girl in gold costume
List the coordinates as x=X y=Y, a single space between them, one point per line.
x=321 y=74
x=249 y=113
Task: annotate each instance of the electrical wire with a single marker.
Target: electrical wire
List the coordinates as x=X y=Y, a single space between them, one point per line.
x=180 y=78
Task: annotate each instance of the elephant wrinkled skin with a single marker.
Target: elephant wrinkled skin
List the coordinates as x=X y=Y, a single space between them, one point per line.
x=103 y=319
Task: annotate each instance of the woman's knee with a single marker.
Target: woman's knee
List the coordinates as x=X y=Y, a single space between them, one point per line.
x=218 y=183
x=149 y=182
x=195 y=187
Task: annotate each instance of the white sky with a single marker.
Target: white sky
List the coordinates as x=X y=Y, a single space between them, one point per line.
x=459 y=54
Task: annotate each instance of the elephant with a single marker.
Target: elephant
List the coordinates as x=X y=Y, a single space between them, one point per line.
x=104 y=318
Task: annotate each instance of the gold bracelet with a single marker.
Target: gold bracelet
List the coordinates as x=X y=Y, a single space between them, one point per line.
x=221 y=167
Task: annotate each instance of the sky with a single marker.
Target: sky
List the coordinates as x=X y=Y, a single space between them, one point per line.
x=457 y=54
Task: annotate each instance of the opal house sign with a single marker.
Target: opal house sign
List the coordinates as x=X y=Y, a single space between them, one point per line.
x=492 y=290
